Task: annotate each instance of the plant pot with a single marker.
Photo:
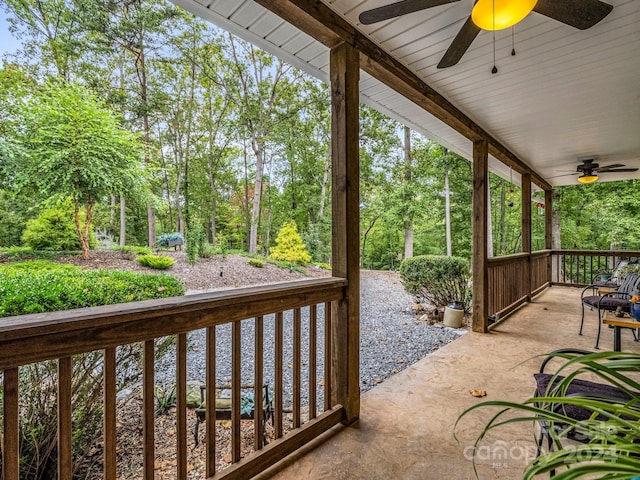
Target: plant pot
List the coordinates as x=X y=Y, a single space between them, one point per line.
x=453 y=317
x=635 y=311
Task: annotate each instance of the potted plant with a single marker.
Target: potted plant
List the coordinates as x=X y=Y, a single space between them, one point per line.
x=610 y=437
x=635 y=306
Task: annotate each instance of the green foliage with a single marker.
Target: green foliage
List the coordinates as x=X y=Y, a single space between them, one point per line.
x=324 y=266
x=157 y=262
x=166 y=398
x=437 y=279
x=54 y=229
x=28 y=288
x=291 y=266
x=75 y=148
x=133 y=251
x=614 y=426
x=255 y=262
x=26 y=253
x=195 y=241
x=209 y=251
x=289 y=246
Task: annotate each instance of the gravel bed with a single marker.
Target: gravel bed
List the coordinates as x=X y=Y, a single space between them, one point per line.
x=391 y=340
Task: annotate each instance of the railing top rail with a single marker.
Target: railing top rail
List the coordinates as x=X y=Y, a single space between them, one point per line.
x=508 y=258
x=30 y=338
x=541 y=253
x=603 y=253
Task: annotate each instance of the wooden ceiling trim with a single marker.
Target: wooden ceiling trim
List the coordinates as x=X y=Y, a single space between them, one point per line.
x=319 y=21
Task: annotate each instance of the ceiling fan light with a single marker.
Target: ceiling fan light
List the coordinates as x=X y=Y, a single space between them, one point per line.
x=587 y=178
x=507 y=13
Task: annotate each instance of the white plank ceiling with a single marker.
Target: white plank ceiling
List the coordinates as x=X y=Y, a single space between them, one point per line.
x=566 y=95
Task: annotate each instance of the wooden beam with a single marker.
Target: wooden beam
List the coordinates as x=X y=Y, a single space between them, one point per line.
x=526 y=229
x=328 y=27
x=480 y=260
x=345 y=188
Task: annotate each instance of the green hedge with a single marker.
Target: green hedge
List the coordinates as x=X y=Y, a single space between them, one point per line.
x=38 y=287
x=437 y=279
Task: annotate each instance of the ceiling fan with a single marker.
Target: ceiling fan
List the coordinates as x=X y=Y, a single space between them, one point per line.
x=589 y=170
x=495 y=15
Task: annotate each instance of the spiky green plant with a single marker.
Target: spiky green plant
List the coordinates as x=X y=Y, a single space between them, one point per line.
x=612 y=450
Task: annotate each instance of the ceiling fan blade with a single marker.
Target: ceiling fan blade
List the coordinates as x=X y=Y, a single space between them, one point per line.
x=564 y=175
x=619 y=170
x=608 y=167
x=397 y=9
x=582 y=15
x=460 y=44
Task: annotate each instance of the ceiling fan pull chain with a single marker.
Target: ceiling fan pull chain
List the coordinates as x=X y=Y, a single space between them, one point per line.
x=494 y=70
x=513 y=41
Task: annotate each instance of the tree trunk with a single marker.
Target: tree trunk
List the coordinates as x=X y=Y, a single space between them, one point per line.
x=364 y=239
x=325 y=182
x=408 y=221
x=123 y=221
x=246 y=198
x=82 y=230
x=142 y=71
x=257 y=197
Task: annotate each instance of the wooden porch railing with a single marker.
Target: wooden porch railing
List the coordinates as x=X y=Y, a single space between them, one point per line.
x=61 y=335
x=513 y=279
x=576 y=268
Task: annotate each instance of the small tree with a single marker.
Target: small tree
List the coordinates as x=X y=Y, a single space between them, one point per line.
x=75 y=148
x=289 y=246
x=54 y=229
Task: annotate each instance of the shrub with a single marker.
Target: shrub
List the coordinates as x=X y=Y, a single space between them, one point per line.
x=289 y=246
x=35 y=287
x=195 y=242
x=157 y=262
x=438 y=280
x=255 y=262
x=26 y=253
x=133 y=251
x=209 y=251
x=322 y=265
x=30 y=289
x=54 y=229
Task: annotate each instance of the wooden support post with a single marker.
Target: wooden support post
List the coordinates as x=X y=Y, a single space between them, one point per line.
x=548 y=230
x=526 y=230
x=345 y=104
x=480 y=261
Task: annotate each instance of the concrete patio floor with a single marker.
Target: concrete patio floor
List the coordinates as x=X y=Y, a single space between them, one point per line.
x=406 y=426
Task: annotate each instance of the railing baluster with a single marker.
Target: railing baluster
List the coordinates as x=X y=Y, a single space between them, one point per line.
x=235 y=390
x=327 y=356
x=277 y=400
x=313 y=326
x=181 y=404
x=148 y=413
x=258 y=413
x=109 y=419
x=297 y=367
x=65 y=434
x=11 y=437
x=211 y=401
